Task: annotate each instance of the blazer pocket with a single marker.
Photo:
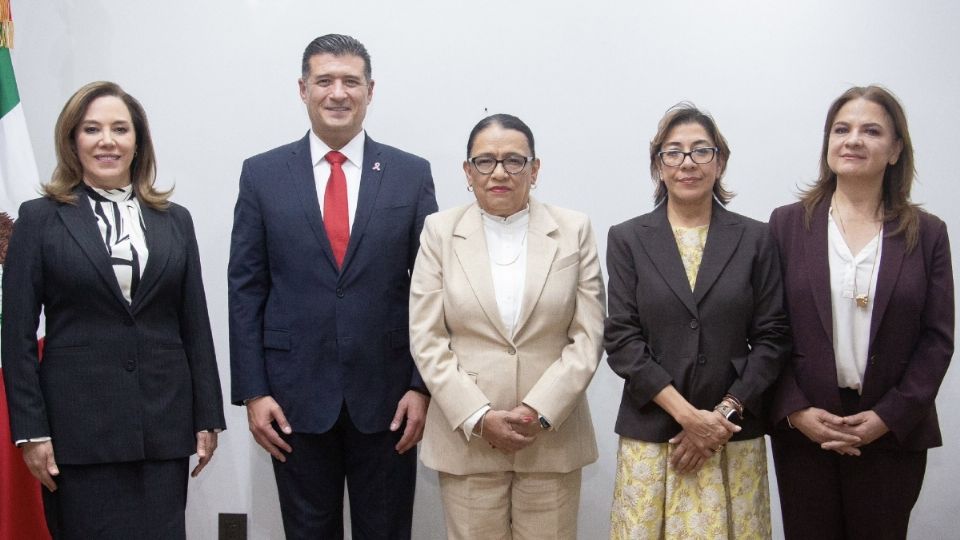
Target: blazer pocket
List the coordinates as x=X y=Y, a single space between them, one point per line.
x=65 y=349
x=565 y=261
x=276 y=339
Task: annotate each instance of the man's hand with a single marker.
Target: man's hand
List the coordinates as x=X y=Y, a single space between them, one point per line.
x=261 y=412
x=412 y=407
x=504 y=430
x=826 y=429
x=39 y=459
x=206 y=446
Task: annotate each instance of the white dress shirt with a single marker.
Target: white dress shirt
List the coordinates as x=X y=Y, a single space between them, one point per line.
x=352 y=169
x=851 y=323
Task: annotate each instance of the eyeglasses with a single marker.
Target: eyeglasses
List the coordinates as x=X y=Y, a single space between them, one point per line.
x=700 y=156
x=511 y=164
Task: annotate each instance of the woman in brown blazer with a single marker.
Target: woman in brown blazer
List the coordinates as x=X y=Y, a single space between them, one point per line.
x=869 y=291
x=506 y=321
x=698 y=332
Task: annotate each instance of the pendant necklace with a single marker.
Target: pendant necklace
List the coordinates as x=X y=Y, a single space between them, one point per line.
x=862 y=299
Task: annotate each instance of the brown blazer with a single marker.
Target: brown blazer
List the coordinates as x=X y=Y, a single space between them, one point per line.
x=727 y=335
x=911 y=332
x=467 y=360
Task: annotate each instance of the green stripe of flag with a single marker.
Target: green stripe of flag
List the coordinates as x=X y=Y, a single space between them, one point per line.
x=9 y=97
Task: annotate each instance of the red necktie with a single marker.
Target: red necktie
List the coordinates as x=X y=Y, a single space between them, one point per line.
x=335 y=209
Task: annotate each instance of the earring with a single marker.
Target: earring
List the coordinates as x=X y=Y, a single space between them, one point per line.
x=470 y=188
x=533 y=185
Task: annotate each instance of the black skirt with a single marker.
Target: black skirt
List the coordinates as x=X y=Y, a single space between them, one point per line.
x=140 y=499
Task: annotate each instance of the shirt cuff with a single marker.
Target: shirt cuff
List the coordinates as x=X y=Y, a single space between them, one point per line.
x=22 y=442
x=471 y=422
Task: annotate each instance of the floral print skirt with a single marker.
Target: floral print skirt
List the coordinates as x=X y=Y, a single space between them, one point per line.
x=728 y=498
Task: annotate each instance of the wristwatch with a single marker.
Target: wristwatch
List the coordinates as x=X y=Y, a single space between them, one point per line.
x=727 y=411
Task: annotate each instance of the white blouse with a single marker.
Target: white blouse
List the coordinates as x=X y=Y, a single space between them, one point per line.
x=851 y=275
x=121 y=226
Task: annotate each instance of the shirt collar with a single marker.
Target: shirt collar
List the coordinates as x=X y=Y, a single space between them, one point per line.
x=115 y=194
x=353 y=149
x=521 y=218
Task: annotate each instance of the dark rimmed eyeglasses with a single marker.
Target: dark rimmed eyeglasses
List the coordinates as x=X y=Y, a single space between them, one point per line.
x=700 y=156
x=511 y=164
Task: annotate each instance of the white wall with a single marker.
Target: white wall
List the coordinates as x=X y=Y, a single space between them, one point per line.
x=218 y=80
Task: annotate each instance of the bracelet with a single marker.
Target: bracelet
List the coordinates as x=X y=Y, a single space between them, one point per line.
x=730 y=402
x=480 y=423
x=789 y=423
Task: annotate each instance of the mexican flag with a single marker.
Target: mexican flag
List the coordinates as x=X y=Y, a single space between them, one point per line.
x=21 y=510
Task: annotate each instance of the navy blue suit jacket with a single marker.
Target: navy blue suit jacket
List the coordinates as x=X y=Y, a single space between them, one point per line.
x=311 y=336
x=118 y=381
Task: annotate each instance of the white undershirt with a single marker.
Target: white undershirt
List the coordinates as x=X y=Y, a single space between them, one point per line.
x=851 y=323
x=507 y=251
x=351 y=169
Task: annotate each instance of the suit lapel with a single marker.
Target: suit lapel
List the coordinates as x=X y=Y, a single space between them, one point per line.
x=82 y=225
x=722 y=241
x=371 y=174
x=470 y=247
x=158 y=234
x=541 y=250
x=300 y=167
x=658 y=241
x=891 y=259
x=816 y=248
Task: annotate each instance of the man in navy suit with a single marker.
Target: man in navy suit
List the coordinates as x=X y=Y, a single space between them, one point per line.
x=326 y=230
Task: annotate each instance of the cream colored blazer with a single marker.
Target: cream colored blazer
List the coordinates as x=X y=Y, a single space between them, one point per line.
x=467 y=359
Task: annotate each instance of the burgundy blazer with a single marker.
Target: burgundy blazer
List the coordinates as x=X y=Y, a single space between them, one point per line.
x=911 y=332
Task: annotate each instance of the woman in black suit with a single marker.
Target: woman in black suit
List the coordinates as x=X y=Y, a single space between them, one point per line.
x=128 y=388
x=697 y=329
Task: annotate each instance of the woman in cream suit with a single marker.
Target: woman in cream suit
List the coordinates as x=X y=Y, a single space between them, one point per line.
x=506 y=324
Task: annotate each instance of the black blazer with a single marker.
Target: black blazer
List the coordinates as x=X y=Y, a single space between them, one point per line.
x=911 y=329
x=118 y=382
x=728 y=335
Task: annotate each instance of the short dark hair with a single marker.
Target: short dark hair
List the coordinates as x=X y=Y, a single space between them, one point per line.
x=506 y=121
x=688 y=113
x=337 y=45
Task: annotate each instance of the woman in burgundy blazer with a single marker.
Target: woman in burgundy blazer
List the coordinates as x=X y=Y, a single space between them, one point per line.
x=873 y=319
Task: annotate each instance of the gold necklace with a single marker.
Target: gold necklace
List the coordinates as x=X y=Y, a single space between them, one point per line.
x=862 y=299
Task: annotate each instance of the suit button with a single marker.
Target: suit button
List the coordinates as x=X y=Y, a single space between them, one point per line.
x=873 y=359
x=701 y=359
x=129 y=366
x=694 y=324
x=511 y=351
x=339 y=292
